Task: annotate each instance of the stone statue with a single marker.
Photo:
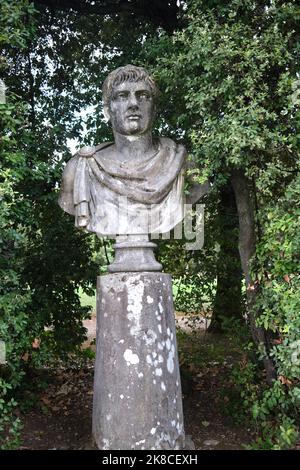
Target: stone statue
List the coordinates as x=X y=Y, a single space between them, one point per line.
x=134 y=185
x=128 y=189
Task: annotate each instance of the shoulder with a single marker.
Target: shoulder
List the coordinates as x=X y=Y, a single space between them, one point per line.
x=176 y=148
x=70 y=168
x=166 y=142
x=88 y=151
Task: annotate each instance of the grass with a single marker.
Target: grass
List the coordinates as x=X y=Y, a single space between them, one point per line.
x=201 y=348
x=86 y=300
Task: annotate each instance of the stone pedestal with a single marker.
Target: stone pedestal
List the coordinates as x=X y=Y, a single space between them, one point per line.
x=137 y=390
x=134 y=253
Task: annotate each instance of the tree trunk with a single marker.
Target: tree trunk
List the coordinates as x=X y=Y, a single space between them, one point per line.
x=247 y=242
x=228 y=299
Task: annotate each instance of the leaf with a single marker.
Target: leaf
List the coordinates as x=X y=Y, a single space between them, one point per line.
x=285 y=380
x=205 y=423
x=36 y=343
x=25 y=357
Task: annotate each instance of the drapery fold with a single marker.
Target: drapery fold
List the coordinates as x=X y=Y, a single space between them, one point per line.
x=148 y=184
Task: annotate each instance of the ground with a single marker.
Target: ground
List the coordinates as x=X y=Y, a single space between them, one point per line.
x=60 y=417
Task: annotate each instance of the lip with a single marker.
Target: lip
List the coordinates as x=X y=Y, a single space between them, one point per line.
x=134 y=116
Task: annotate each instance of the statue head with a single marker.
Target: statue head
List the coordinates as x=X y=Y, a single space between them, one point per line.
x=129 y=95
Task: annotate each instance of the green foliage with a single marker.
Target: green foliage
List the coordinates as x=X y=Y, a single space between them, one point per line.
x=278 y=266
x=276 y=409
x=231 y=96
x=14 y=295
x=10 y=426
x=193 y=271
x=231 y=78
x=235 y=70
x=43 y=260
x=279 y=435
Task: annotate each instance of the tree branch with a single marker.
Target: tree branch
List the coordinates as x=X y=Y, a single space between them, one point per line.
x=31 y=90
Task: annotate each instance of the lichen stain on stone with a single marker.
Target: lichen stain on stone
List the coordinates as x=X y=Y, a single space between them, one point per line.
x=179 y=427
x=149 y=299
x=162 y=439
x=140 y=442
x=170 y=360
x=105 y=444
x=135 y=291
x=149 y=337
x=149 y=360
x=130 y=357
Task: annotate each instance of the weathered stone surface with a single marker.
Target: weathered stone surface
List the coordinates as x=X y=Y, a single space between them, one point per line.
x=133 y=185
x=137 y=390
x=134 y=253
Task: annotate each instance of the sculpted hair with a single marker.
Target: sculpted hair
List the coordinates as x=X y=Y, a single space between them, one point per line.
x=129 y=73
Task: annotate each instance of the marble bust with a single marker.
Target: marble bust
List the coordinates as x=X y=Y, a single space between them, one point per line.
x=133 y=185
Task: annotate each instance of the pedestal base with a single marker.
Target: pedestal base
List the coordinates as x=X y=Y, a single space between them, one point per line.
x=134 y=253
x=137 y=390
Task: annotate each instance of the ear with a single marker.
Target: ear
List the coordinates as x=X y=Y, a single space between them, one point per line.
x=106 y=113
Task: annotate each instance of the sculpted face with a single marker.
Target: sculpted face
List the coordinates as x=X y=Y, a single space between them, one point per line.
x=131 y=108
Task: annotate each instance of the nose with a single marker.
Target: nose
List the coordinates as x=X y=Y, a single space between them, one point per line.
x=132 y=101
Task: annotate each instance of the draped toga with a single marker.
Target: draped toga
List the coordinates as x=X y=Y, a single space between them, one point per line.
x=112 y=197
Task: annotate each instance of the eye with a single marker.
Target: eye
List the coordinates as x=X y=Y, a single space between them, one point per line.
x=121 y=95
x=144 y=95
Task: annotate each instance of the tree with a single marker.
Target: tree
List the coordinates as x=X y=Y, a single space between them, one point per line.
x=228 y=65
x=229 y=72
x=228 y=302
x=15 y=332
x=158 y=12
x=233 y=69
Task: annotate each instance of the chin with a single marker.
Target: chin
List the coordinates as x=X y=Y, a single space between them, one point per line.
x=134 y=130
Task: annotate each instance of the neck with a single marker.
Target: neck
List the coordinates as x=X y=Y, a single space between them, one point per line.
x=132 y=147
